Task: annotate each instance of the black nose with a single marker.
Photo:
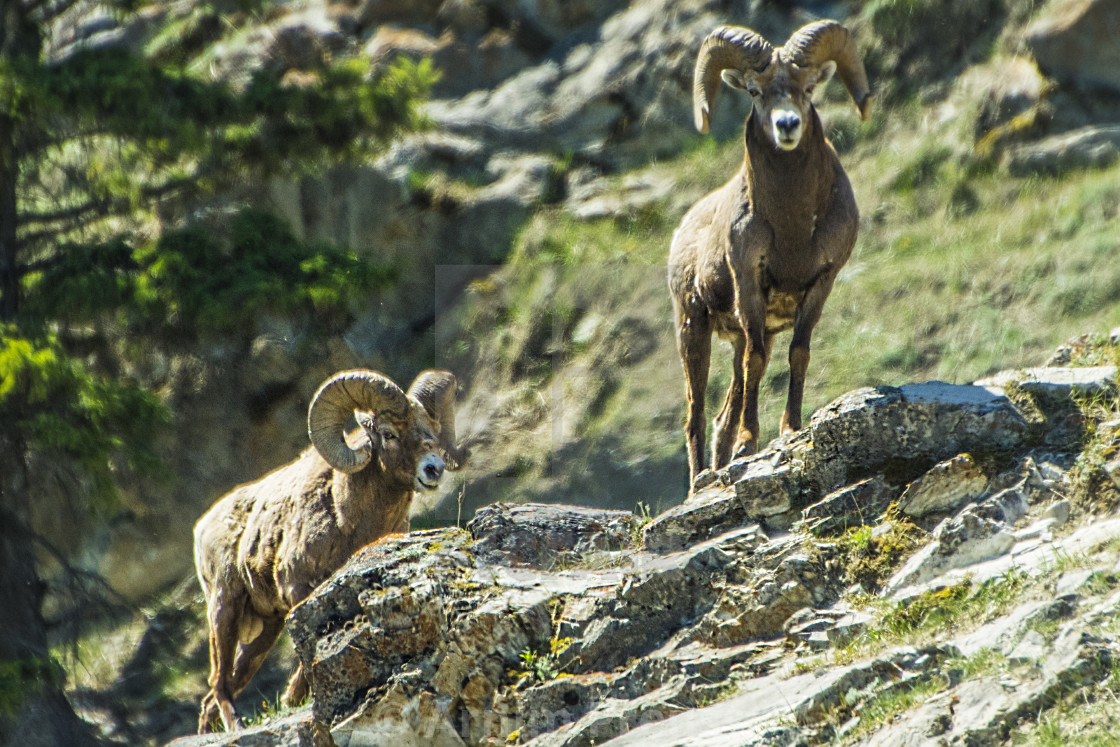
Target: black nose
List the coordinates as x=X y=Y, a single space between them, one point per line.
x=432 y=472
x=788 y=122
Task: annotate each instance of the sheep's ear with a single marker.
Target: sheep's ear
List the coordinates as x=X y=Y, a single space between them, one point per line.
x=825 y=73
x=365 y=420
x=737 y=79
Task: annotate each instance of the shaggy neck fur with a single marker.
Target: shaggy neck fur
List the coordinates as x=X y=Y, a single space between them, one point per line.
x=789 y=191
x=788 y=187
x=351 y=491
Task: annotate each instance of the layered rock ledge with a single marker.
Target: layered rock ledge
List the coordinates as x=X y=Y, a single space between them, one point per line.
x=561 y=625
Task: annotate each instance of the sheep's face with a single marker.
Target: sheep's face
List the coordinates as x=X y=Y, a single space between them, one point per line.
x=782 y=97
x=406 y=450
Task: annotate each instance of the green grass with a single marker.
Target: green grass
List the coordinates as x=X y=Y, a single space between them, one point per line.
x=1086 y=718
x=868 y=558
x=882 y=708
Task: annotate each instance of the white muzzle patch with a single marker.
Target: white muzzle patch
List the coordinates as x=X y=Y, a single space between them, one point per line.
x=785 y=126
x=429 y=472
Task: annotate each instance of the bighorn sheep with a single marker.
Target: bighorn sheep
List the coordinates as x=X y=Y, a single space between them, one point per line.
x=759 y=255
x=262 y=548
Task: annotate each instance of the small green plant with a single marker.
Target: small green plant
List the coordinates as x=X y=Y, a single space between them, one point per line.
x=931 y=609
x=950 y=607
x=542 y=667
x=869 y=555
x=267 y=712
x=704 y=696
x=645 y=516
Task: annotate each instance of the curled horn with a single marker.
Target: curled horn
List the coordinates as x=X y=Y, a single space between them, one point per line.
x=820 y=41
x=726 y=47
x=334 y=403
x=435 y=391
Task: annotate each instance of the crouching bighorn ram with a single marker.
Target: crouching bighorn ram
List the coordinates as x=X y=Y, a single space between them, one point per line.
x=264 y=547
x=759 y=255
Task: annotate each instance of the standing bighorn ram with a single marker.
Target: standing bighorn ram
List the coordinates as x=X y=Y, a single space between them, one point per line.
x=759 y=255
x=265 y=546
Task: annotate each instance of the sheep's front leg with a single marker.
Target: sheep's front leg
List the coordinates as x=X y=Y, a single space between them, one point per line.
x=806 y=318
x=751 y=305
x=297 y=689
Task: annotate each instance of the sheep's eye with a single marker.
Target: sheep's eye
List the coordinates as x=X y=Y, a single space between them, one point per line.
x=388 y=435
x=809 y=89
x=753 y=91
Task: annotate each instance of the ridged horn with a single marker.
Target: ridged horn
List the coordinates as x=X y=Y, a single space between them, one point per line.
x=726 y=47
x=333 y=404
x=435 y=391
x=820 y=41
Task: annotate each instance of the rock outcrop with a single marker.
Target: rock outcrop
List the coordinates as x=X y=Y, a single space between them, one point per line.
x=558 y=625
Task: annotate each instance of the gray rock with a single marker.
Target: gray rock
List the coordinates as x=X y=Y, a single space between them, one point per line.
x=947 y=486
x=629 y=89
x=1058 y=511
x=521 y=179
x=762 y=490
x=1070 y=350
x=540 y=534
x=296 y=729
x=964 y=540
x=986 y=708
x=599 y=199
x=740 y=720
x=849 y=628
x=1054 y=384
x=852 y=506
x=922 y=424
x=1071 y=582
x=1031 y=649
x=555 y=19
x=858 y=434
x=1091 y=146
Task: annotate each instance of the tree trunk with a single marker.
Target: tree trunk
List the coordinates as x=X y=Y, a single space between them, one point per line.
x=17 y=39
x=9 y=175
x=34 y=711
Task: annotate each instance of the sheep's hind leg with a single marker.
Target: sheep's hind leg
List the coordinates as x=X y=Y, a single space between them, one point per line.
x=223 y=613
x=694 y=343
x=251 y=655
x=726 y=425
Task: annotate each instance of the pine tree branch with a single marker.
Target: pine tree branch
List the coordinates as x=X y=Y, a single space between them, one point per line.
x=100 y=208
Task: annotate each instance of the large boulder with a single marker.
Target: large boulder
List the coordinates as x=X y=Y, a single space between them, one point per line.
x=896 y=432
x=1075 y=40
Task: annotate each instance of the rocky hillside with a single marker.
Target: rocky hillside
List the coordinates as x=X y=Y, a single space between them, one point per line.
x=925 y=564
x=530 y=226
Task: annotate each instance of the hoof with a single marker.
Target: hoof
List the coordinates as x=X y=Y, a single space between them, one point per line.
x=704 y=479
x=745 y=450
